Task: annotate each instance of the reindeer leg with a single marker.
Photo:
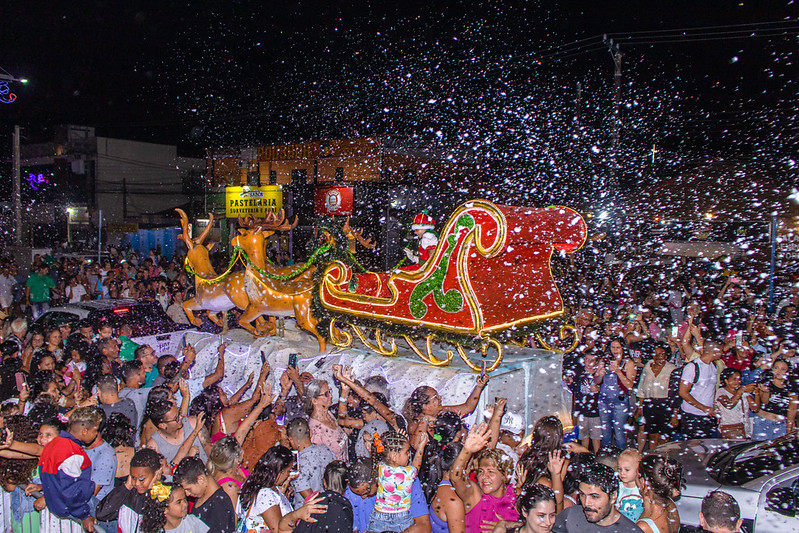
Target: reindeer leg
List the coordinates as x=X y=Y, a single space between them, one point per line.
x=308 y=322
x=251 y=313
x=267 y=327
x=213 y=316
x=225 y=327
x=188 y=307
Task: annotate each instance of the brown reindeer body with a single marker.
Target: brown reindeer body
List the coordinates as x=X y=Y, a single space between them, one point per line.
x=213 y=298
x=268 y=296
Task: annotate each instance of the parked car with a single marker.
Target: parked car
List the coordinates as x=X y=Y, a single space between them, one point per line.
x=150 y=324
x=762 y=476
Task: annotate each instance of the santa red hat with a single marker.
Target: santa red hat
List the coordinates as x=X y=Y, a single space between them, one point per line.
x=423 y=221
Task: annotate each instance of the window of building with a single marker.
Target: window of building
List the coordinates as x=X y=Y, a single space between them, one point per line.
x=299 y=176
x=339 y=173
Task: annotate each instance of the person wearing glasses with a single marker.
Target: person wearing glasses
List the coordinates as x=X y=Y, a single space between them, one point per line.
x=324 y=426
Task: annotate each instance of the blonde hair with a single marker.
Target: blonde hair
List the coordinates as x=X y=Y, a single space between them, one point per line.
x=630 y=453
x=500 y=459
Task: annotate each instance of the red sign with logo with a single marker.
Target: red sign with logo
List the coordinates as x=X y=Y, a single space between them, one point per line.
x=333 y=201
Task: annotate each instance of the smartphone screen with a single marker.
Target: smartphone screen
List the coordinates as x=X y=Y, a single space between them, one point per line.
x=293 y=360
x=674 y=331
x=20 y=377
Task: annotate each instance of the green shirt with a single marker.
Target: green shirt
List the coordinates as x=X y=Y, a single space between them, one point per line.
x=151 y=375
x=40 y=287
x=126 y=351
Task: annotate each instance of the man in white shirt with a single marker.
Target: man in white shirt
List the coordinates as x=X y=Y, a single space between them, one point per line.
x=75 y=291
x=6 y=289
x=698 y=392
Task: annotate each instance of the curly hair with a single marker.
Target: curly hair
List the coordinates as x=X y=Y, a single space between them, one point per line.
x=438 y=458
x=416 y=402
x=153 y=512
x=19 y=471
x=118 y=431
x=501 y=460
x=265 y=473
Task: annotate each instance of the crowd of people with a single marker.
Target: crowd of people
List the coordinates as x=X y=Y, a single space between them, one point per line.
x=99 y=433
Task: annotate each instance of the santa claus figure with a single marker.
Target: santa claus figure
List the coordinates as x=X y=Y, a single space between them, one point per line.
x=424 y=227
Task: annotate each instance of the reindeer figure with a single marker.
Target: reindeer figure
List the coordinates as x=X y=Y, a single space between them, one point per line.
x=290 y=297
x=268 y=296
x=212 y=298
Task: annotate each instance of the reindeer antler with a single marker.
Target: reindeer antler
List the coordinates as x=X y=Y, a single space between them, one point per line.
x=199 y=240
x=366 y=243
x=355 y=235
x=277 y=222
x=184 y=224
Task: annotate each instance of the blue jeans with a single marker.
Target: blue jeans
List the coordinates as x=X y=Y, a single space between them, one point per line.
x=763 y=429
x=613 y=414
x=380 y=522
x=39 y=308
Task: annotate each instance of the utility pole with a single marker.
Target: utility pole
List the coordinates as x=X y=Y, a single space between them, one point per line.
x=613 y=48
x=17 y=198
x=578 y=103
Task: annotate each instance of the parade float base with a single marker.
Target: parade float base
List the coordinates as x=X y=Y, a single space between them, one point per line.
x=529 y=378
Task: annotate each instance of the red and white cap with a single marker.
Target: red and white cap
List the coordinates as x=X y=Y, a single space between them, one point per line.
x=423 y=221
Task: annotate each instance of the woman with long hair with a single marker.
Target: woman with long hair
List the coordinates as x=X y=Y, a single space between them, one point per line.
x=547 y=439
x=777 y=414
x=733 y=404
x=618 y=380
x=262 y=502
x=324 y=426
x=446 y=508
x=424 y=405
x=36 y=342
x=659 y=482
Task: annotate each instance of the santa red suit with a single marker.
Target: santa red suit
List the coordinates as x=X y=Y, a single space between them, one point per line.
x=423 y=225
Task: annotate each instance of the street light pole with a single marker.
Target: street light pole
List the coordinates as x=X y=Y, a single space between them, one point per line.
x=613 y=48
x=17 y=197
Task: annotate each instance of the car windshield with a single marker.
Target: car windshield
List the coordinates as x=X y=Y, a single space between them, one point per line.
x=746 y=462
x=143 y=318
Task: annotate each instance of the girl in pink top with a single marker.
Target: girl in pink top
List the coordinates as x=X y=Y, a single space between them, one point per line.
x=492 y=495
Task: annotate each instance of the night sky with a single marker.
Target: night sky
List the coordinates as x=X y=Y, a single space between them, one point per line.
x=493 y=78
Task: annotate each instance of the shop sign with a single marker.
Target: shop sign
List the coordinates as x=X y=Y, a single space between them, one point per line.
x=253 y=201
x=333 y=201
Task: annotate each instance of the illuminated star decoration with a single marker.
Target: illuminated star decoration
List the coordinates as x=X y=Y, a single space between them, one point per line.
x=654 y=151
x=6 y=96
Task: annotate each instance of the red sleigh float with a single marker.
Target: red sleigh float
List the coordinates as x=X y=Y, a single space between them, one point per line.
x=489 y=272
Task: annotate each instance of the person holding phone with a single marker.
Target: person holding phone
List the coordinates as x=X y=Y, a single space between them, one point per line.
x=777 y=416
x=654 y=403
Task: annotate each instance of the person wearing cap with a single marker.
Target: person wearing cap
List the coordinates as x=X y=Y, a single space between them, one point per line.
x=511 y=432
x=424 y=227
